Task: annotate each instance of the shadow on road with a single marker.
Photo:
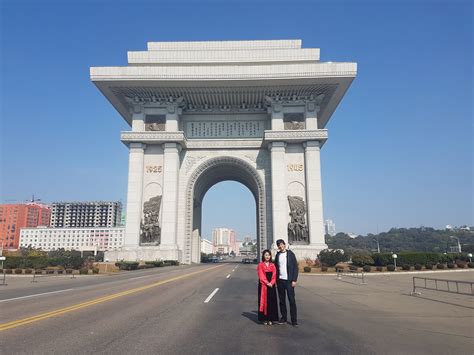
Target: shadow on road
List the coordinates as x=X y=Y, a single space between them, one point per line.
x=253 y=316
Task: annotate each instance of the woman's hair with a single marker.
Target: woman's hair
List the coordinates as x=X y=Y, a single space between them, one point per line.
x=266 y=251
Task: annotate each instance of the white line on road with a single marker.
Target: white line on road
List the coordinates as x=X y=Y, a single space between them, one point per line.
x=211 y=295
x=227 y=276
x=35 y=295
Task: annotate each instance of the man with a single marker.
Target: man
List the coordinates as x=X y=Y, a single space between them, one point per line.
x=287 y=275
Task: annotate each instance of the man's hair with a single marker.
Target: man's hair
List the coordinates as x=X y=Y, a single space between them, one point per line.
x=280 y=241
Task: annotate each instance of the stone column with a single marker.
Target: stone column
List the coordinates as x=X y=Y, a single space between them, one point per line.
x=279 y=195
x=314 y=200
x=172 y=117
x=134 y=196
x=170 y=195
x=276 y=111
x=311 y=116
x=138 y=118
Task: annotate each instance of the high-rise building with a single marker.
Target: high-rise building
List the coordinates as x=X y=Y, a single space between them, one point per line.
x=13 y=217
x=224 y=240
x=330 y=227
x=206 y=246
x=86 y=214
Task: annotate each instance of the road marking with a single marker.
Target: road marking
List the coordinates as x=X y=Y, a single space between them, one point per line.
x=34 y=295
x=211 y=295
x=19 y=322
x=227 y=276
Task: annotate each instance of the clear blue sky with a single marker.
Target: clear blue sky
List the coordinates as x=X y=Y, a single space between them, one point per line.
x=400 y=151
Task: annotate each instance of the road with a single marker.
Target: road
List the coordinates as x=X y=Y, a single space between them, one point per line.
x=164 y=311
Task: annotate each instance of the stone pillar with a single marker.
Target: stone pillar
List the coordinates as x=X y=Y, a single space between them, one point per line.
x=138 y=118
x=134 y=196
x=314 y=201
x=311 y=116
x=276 y=111
x=170 y=195
x=279 y=195
x=172 y=117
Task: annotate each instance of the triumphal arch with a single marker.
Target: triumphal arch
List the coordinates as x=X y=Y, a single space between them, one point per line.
x=204 y=112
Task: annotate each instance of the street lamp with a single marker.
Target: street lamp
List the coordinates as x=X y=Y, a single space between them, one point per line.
x=470 y=257
x=459 y=244
x=106 y=264
x=395 y=256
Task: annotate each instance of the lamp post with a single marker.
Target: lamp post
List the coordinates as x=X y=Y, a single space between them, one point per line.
x=459 y=244
x=470 y=257
x=106 y=264
x=395 y=256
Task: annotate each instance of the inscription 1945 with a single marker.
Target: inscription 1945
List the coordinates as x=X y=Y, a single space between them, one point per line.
x=295 y=167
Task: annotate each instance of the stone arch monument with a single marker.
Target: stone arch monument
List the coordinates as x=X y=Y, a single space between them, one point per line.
x=204 y=112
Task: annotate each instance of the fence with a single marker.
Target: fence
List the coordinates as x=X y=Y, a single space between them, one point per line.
x=452 y=286
x=351 y=274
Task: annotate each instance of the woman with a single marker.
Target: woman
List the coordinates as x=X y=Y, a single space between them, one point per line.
x=267 y=298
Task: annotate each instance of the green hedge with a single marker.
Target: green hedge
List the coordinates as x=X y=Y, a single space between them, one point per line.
x=127 y=265
x=42 y=261
x=332 y=257
x=411 y=258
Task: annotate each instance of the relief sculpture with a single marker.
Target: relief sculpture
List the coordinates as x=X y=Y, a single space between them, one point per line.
x=297 y=228
x=150 y=230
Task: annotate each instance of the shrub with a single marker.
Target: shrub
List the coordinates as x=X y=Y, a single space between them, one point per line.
x=18 y=271
x=367 y=268
x=38 y=272
x=361 y=259
x=307 y=269
x=429 y=266
x=28 y=271
x=332 y=257
x=1 y=271
x=451 y=265
x=317 y=263
x=418 y=267
x=68 y=271
x=127 y=265
x=95 y=270
x=353 y=267
x=8 y=271
x=339 y=268
x=171 y=262
x=49 y=272
x=379 y=268
x=324 y=268
x=406 y=267
x=391 y=267
x=83 y=271
x=460 y=264
x=470 y=265
x=60 y=271
x=382 y=259
x=440 y=266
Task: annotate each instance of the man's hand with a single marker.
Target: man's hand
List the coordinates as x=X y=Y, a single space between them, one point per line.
x=293 y=284
x=269 y=284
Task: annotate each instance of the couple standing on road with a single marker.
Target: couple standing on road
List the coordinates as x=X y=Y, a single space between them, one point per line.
x=283 y=274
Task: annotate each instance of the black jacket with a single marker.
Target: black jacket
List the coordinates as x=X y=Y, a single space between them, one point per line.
x=291 y=266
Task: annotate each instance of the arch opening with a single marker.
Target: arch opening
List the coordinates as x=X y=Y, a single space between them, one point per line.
x=209 y=174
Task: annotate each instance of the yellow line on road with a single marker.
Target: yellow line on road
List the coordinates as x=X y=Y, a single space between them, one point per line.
x=19 y=322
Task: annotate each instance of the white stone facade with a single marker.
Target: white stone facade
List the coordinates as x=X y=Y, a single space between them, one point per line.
x=205 y=112
x=82 y=239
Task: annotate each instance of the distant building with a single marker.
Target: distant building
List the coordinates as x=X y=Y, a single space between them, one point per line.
x=224 y=240
x=206 y=246
x=13 y=217
x=449 y=227
x=86 y=214
x=330 y=227
x=82 y=239
x=352 y=235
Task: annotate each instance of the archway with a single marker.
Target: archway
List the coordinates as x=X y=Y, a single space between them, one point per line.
x=205 y=176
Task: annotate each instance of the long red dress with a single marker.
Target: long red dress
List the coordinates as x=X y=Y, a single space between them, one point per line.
x=267 y=298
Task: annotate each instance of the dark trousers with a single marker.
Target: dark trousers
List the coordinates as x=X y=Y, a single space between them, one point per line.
x=284 y=286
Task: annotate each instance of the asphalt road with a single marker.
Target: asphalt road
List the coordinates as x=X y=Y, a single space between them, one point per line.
x=163 y=311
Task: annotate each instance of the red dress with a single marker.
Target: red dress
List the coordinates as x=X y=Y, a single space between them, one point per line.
x=267 y=298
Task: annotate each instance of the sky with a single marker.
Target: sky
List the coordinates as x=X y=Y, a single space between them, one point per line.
x=400 y=148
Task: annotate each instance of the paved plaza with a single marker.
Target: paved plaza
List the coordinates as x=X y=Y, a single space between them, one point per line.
x=164 y=310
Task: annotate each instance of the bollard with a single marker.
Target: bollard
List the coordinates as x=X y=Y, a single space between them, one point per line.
x=34 y=276
x=4 y=281
x=363 y=279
